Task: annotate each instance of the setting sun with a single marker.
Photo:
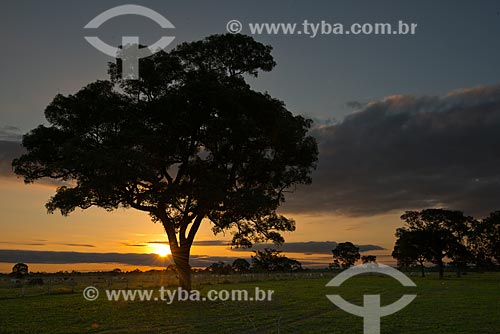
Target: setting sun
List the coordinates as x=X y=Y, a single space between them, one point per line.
x=161 y=249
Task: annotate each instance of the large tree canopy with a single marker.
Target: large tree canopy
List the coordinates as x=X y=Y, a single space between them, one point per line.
x=187 y=142
x=433 y=235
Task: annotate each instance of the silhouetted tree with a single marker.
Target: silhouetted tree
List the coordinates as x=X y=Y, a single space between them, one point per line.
x=368 y=259
x=116 y=271
x=486 y=241
x=412 y=248
x=19 y=270
x=272 y=260
x=345 y=255
x=446 y=235
x=188 y=142
x=219 y=268
x=241 y=265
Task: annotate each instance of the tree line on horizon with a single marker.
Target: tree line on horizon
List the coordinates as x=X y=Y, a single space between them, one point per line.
x=441 y=236
x=436 y=236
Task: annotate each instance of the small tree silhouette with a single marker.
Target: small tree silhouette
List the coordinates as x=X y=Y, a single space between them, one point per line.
x=20 y=270
x=368 y=259
x=345 y=255
x=241 y=265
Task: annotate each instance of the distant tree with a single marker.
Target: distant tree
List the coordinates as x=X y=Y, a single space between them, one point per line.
x=412 y=248
x=486 y=241
x=116 y=271
x=287 y=264
x=446 y=234
x=368 y=259
x=187 y=142
x=219 y=268
x=20 y=270
x=241 y=266
x=345 y=255
x=272 y=260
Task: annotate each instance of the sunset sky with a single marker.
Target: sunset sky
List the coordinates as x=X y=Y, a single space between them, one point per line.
x=402 y=122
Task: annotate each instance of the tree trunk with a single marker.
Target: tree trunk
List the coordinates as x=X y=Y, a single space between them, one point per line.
x=181 y=259
x=441 y=269
x=458 y=271
x=422 y=269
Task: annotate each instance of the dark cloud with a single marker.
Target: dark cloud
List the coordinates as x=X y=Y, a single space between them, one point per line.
x=23 y=243
x=44 y=243
x=10 y=133
x=355 y=104
x=199 y=243
x=407 y=152
x=49 y=257
x=399 y=153
x=9 y=150
x=76 y=245
x=134 y=259
x=196 y=260
x=310 y=247
x=212 y=243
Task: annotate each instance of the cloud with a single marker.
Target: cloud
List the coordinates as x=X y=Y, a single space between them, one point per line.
x=9 y=150
x=199 y=243
x=355 y=105
x=134 y=259
x=23 y=243
x=10 y=133
x=408 y=152
x=402 y=152
x=45 y=243
x=212 y=243
x=76 y=245
x=137 y=259
x=310 y=247
x=50 y=257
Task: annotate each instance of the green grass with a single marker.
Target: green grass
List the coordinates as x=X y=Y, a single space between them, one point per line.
x=466 y=305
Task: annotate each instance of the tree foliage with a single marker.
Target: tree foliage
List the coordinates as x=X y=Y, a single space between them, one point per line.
x=485 y=241
x=368 y=259
x=345 y=255
x=19 y=270
x=433 y=235
x=188 y=142
x=271 y=259
x=219 y=268
x=241 y=266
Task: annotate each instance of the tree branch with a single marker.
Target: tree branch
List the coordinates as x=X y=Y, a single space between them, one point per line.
x=194 y=228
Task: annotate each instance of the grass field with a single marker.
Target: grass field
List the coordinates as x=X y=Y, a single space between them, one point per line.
x=467 y=305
